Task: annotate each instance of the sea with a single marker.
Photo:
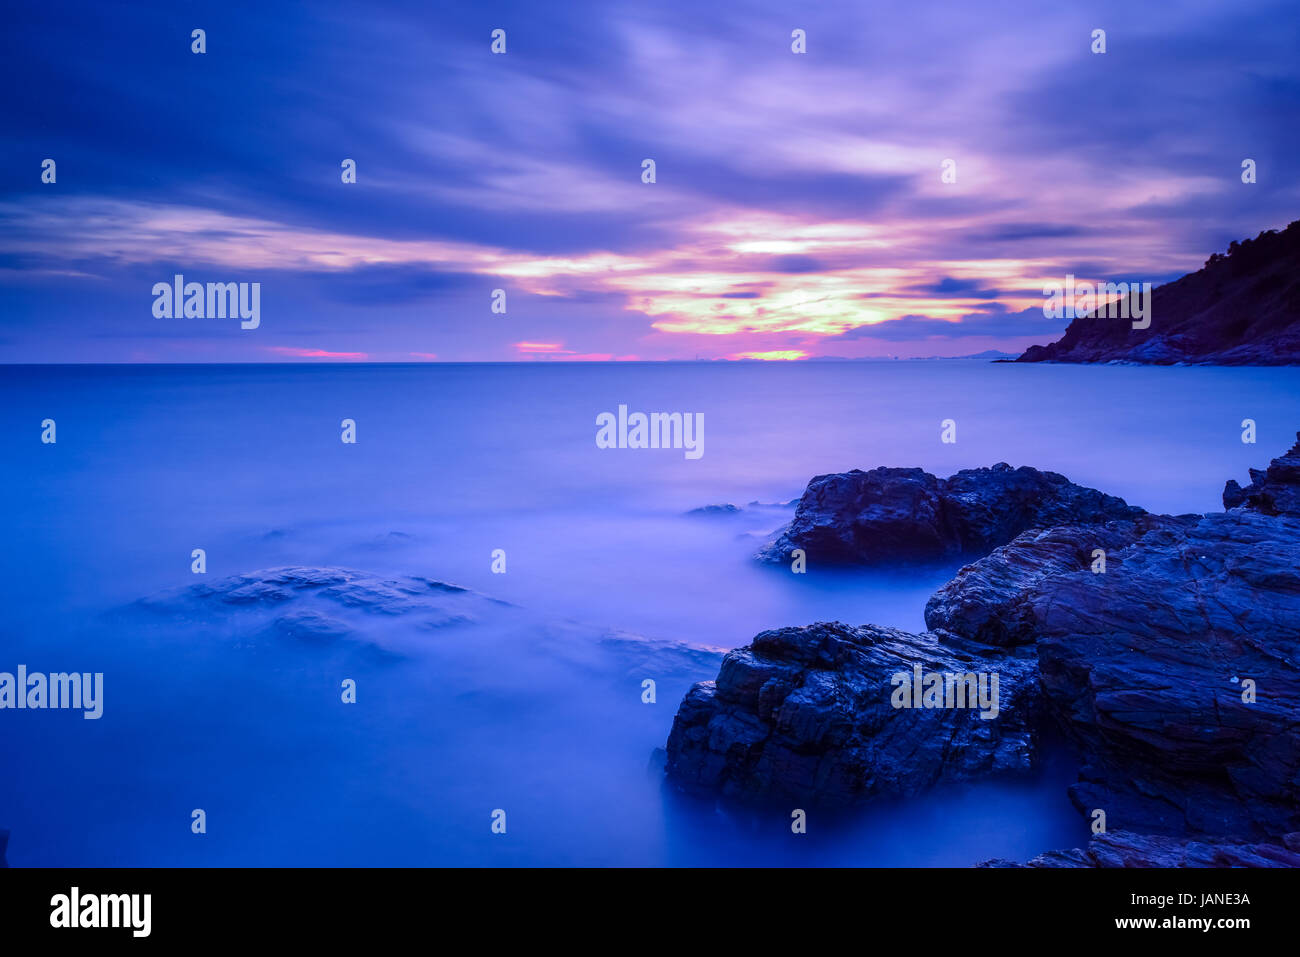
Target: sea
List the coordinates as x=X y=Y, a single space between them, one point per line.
x=508 y=724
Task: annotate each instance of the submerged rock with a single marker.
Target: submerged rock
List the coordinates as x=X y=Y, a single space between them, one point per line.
x=714 y=511
x=320 y=607
x=344 y=586
x=906 y=514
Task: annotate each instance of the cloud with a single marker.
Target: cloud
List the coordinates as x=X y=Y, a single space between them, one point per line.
x=1028 y=322
x=797 y=197
x=776 y=355
x=956 y=288
x=303 y=353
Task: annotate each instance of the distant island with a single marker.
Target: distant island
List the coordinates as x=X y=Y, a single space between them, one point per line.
x=1240 y=308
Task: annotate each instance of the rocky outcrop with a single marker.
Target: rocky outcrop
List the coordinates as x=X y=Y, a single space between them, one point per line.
x=988 y=601
x=808 y=714
x=906 y=514
x=1130 y=849
x=1167 y=648
x=1242 y=308
x=1178 y=671
x=1274 y=491
x=1146 y=662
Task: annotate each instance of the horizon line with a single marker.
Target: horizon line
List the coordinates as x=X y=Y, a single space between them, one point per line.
x=524 y=362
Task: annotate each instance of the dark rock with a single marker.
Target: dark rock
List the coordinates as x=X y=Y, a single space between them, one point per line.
x=1146 y=666
x=1274 y=491
x=1176 y=671
x=1129 y=849
x=895 y=514
x=1239 y=309
x=1145 y=663
x=805 y=714
x=987 y=601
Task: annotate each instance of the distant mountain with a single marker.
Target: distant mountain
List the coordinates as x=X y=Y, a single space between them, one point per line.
x=1242 y=308
x=986 y=354
x=989 y=354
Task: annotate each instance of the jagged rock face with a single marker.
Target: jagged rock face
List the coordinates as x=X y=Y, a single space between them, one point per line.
x=1239 y=309
x=988 y=601
x=1140 y=664
x=1274 y=491
x=1138 y=661
x=1129 y=849
x=806 y=714
x=891 y=514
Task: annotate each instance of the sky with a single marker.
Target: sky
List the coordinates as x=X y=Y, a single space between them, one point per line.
x=798 y=209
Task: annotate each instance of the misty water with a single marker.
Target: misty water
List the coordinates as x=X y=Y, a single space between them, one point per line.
x=523 y=694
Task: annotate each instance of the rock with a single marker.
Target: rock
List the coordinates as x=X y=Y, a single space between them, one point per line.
x=271 y=587
x=320 y=607
x=1146 y=666
x=1239 y=309
x=987 y=601
x=1129 y=849
x=322 y=615
x=1274 y=491
x=310 y=626
x=1176 y=670
x=906 y=514
x=715 y=511
x=805 y=714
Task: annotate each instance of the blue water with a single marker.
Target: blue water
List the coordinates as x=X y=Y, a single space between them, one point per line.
x=535 y=707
